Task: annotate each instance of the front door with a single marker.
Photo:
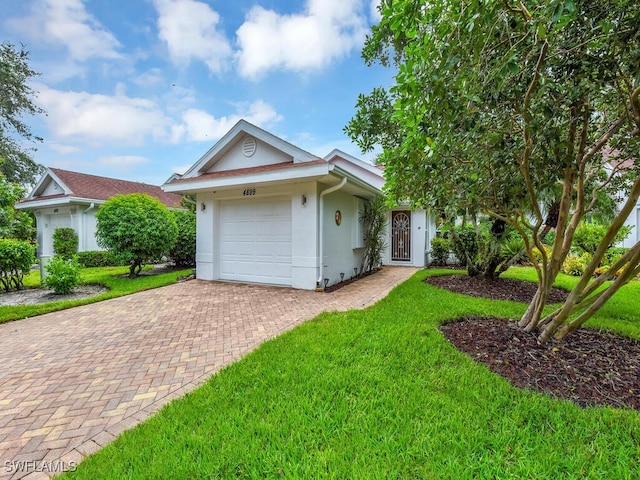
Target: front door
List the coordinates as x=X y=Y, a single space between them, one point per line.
x=401 y=236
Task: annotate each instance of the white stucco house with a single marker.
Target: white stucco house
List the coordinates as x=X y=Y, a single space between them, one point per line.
x=270 y=212
x=633 y=221
x=62 y=198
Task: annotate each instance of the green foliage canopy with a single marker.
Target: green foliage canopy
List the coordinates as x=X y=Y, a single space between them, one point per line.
x=16 y=101
x=489 y=98
x=137 y=228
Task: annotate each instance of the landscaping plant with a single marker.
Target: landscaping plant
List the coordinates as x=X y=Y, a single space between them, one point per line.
x=374 y=218
x=63 y=274
x=183 y=253
x=65 y=242
x=137 y=228
x=16 y=258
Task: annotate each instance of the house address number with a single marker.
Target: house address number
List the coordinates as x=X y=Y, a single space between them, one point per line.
x=249 y=191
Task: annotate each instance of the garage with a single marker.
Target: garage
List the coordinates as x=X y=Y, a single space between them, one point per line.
x=255 y=240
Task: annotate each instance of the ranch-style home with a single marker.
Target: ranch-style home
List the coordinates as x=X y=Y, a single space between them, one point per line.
x=62 y=198
x=270 y=212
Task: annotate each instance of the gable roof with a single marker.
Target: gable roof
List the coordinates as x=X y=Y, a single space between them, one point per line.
x=238 y=131
x=85 y=188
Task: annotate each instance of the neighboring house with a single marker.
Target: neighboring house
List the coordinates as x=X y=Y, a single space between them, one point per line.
x=70 y=199
x=270 y=212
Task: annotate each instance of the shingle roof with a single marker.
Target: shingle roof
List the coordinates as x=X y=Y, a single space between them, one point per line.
x=93 y=187
x=248 y=170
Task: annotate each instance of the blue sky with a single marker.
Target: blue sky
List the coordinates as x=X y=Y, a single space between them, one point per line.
x=141 y=89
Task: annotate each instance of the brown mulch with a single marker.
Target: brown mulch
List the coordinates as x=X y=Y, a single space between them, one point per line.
x=495 y=289
x=588 y=367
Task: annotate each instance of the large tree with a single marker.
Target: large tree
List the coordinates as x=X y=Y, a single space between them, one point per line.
x=16 y=101
x=498 y=103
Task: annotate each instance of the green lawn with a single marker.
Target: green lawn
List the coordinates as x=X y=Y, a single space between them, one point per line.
x=112 y=277
x=379 y=393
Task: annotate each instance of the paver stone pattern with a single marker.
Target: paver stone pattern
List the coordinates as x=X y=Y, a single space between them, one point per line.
x=72 y=381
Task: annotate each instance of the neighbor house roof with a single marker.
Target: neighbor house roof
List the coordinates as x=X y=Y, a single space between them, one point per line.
x=82 y=187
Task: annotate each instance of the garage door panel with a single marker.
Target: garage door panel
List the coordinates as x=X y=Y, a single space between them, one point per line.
x=255 y=240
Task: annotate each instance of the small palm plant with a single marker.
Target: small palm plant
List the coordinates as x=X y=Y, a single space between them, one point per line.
x=374 y=219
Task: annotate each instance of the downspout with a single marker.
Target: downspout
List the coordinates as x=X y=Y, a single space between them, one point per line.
x=84 y=227
x=320 y=230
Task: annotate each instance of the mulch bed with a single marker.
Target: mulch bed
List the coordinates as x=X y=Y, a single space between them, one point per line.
x=495 y=289
x=588 y=366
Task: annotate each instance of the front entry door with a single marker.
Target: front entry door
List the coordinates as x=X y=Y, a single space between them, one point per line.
x=401 y=236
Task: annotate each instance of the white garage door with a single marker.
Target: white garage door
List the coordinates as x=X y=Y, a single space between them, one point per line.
x=255 y=240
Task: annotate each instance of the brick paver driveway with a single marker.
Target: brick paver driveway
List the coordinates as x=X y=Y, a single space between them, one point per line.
x=71 y=381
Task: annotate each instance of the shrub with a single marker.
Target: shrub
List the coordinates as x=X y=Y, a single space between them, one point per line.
x=440 y=249
x=136 y=227
x=183 y=252
x=576 y=264
x=16 y=258
x=63 y=274
x=514 y=247
x=65 y=242
x=537 y=256
x=589 y=235
x=612 y=255
x=98 y=258
x=464 y=243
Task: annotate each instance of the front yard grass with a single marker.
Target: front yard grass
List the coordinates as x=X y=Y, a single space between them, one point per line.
x=379 y=393
x=113 y=278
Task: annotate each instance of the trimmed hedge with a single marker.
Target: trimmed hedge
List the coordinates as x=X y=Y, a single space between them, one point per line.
x=65 y=242
x=98 y=258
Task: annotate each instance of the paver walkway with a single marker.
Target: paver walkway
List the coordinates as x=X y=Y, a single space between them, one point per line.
x=71 y=381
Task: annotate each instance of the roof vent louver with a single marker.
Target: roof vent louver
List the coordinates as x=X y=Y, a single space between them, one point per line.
x=249 y=146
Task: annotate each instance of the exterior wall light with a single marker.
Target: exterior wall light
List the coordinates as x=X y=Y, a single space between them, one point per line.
x=203 y=207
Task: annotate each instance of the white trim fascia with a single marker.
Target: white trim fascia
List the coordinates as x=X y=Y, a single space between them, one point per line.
x=287 y=175
x=353 y=180
x=51 y=202
x=242 y=126
x=355 y=160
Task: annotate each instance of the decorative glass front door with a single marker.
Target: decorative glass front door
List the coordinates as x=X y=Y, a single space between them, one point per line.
x=401 y=236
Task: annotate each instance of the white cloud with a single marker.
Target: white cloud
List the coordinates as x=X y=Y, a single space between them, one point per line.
x=98 y=119
x=102 y=119
x=66 y=23
x=199 y=126
x=375 y=13
x=328 y=29
x=122 y=162
x=190 y=30
x=62 y=148
x=150 y=78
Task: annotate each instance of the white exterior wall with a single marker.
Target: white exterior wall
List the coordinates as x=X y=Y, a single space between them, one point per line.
x=304 y=241
x=339 y=254
x=634 y=222
x=78 y=217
